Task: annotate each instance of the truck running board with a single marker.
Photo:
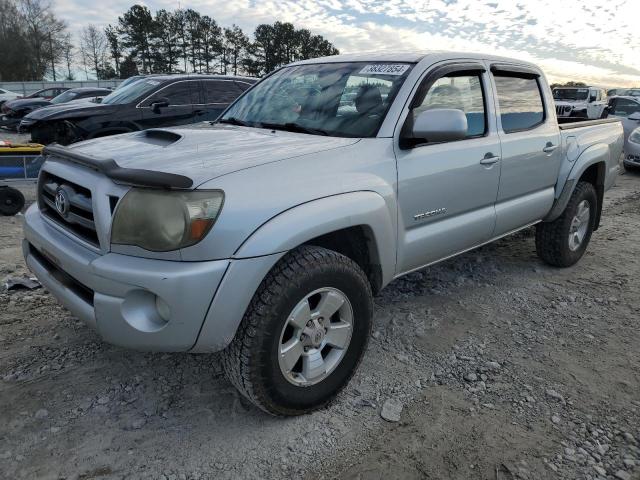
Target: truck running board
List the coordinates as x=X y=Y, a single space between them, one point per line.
x=127 y=176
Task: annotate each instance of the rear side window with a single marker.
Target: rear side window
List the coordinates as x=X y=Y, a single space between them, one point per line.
x=520 y=102
x=179 y=93
x=220 y=91
x=461 y=92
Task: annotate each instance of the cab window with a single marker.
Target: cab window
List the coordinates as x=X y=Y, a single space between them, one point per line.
x=461 y=92
x=519 y=102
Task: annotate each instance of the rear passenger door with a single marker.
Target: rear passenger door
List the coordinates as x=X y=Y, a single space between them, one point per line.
x=447 y=190
x=180 y=96
x=218 y=94
x=530 y=141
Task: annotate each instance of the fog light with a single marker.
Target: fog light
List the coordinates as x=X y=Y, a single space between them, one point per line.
x=163 y=309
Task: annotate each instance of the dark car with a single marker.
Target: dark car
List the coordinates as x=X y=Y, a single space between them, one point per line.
x=14 y=111
x=47 y=93
x=159 y=101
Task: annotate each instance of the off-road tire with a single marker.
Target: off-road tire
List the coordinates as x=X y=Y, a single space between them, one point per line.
x=251 y=360
x=11 y=201
x=552 y=244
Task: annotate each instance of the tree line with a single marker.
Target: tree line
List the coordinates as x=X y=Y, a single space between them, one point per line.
x=141 y=42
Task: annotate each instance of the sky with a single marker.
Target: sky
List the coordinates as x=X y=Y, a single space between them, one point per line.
x=595 y=41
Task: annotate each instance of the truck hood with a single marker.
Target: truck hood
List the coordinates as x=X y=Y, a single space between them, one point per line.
x=204 y=151
x=71 y=110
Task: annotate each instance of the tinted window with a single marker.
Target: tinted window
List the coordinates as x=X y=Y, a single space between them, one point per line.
x=520 y=103
x=131 y=92
x=462 y=92
x=624 y=108
x=220 y=91
x=179 y=93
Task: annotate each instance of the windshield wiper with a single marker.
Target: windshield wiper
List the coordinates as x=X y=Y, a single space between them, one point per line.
x=294 y=127
x=233 y=121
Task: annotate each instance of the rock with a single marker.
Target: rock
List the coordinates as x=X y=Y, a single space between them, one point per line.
x=555 y=395
x=391 y=410
x=556 y=419
x=622 y=475
x=103 y=400
x=629 y=438
x=138 y=423
x=42 y=413
x=470 y=377
x=601 y=471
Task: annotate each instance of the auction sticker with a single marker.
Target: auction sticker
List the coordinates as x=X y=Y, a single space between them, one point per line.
x=385 y=69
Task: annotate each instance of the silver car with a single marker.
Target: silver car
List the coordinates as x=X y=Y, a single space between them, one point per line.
x=632 y=150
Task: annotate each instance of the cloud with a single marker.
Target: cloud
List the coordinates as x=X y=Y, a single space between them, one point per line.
x=587 y=40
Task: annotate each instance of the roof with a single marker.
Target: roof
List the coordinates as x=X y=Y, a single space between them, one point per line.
x=88 y=89
x=197 y=76
x=432 y=56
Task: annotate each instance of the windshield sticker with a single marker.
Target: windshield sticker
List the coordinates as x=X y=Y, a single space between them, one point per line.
x=385 y=69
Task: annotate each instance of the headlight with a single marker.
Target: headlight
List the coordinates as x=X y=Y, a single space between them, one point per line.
x=635 y=136
x=161 y=220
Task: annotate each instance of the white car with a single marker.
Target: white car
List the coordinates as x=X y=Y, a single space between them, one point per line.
x=6 y=95
x=582 y=102
x=626 y=109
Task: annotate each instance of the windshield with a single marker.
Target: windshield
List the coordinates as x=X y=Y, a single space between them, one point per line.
x=337 y=99
x=571 y=94
x=64 y=97
x=130 y=93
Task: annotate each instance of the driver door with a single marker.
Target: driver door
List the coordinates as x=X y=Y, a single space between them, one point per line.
x=181 y=97
x=447 y=191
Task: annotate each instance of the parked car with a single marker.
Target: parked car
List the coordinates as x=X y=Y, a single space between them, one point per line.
x=47 y=93
x=627 y=109
x=14 y=111
x=266 y=234
x=582 y=102
x=632 y=150
x=135 y=78
x=159 y=101
x=6 y=95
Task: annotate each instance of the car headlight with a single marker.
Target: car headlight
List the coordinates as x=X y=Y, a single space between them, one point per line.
x=161 y=220
x=635 y=136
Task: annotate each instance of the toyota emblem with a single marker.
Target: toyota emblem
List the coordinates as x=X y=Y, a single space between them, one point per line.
x=62 y=202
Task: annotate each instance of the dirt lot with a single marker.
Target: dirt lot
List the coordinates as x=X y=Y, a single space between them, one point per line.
x=503 y=367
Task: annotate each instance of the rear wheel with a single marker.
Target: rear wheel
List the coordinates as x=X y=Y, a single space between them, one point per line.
x=304 y=333
x=11 y=201
x=562 y=243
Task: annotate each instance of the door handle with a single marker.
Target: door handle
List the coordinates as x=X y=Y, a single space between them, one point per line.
x=550 y=147
x=489 y=159
x=199 y=112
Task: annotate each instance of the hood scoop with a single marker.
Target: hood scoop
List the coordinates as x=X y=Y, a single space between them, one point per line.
x=160 y=138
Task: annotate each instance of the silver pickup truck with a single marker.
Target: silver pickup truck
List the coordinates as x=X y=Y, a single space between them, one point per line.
x=266 y=234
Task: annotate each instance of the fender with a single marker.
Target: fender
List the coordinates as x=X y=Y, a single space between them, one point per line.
x=269 y=243
x=595 y=154
x=304 y=222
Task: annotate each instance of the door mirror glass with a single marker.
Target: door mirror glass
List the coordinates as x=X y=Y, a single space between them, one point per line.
x=440 y=125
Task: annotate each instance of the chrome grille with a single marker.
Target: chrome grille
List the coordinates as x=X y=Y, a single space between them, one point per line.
x=69 y=205
x=633 y=158
x=563 y=110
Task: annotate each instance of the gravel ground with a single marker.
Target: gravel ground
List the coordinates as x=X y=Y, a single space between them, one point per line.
x=490 y=366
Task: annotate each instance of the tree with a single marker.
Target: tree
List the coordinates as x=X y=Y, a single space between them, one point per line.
x=136 y=27
x=165 y=45
x=115 y=48
x=128 y=67
x=68 y=56
x=93 y=45
x=235 y=44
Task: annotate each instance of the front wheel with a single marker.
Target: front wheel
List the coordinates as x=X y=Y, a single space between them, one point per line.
x=562 y=243
x=304 y=333
x=11 y=201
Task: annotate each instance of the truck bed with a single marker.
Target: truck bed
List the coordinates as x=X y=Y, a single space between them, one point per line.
x=569 y=123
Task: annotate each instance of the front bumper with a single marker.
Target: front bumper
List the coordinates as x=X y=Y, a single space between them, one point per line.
x=116 y=294
x=632 y=158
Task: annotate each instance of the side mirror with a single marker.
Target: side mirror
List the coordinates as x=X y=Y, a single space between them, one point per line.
x=635 y=117
x=440 y=125
x=158 y=104
x=592 y=98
